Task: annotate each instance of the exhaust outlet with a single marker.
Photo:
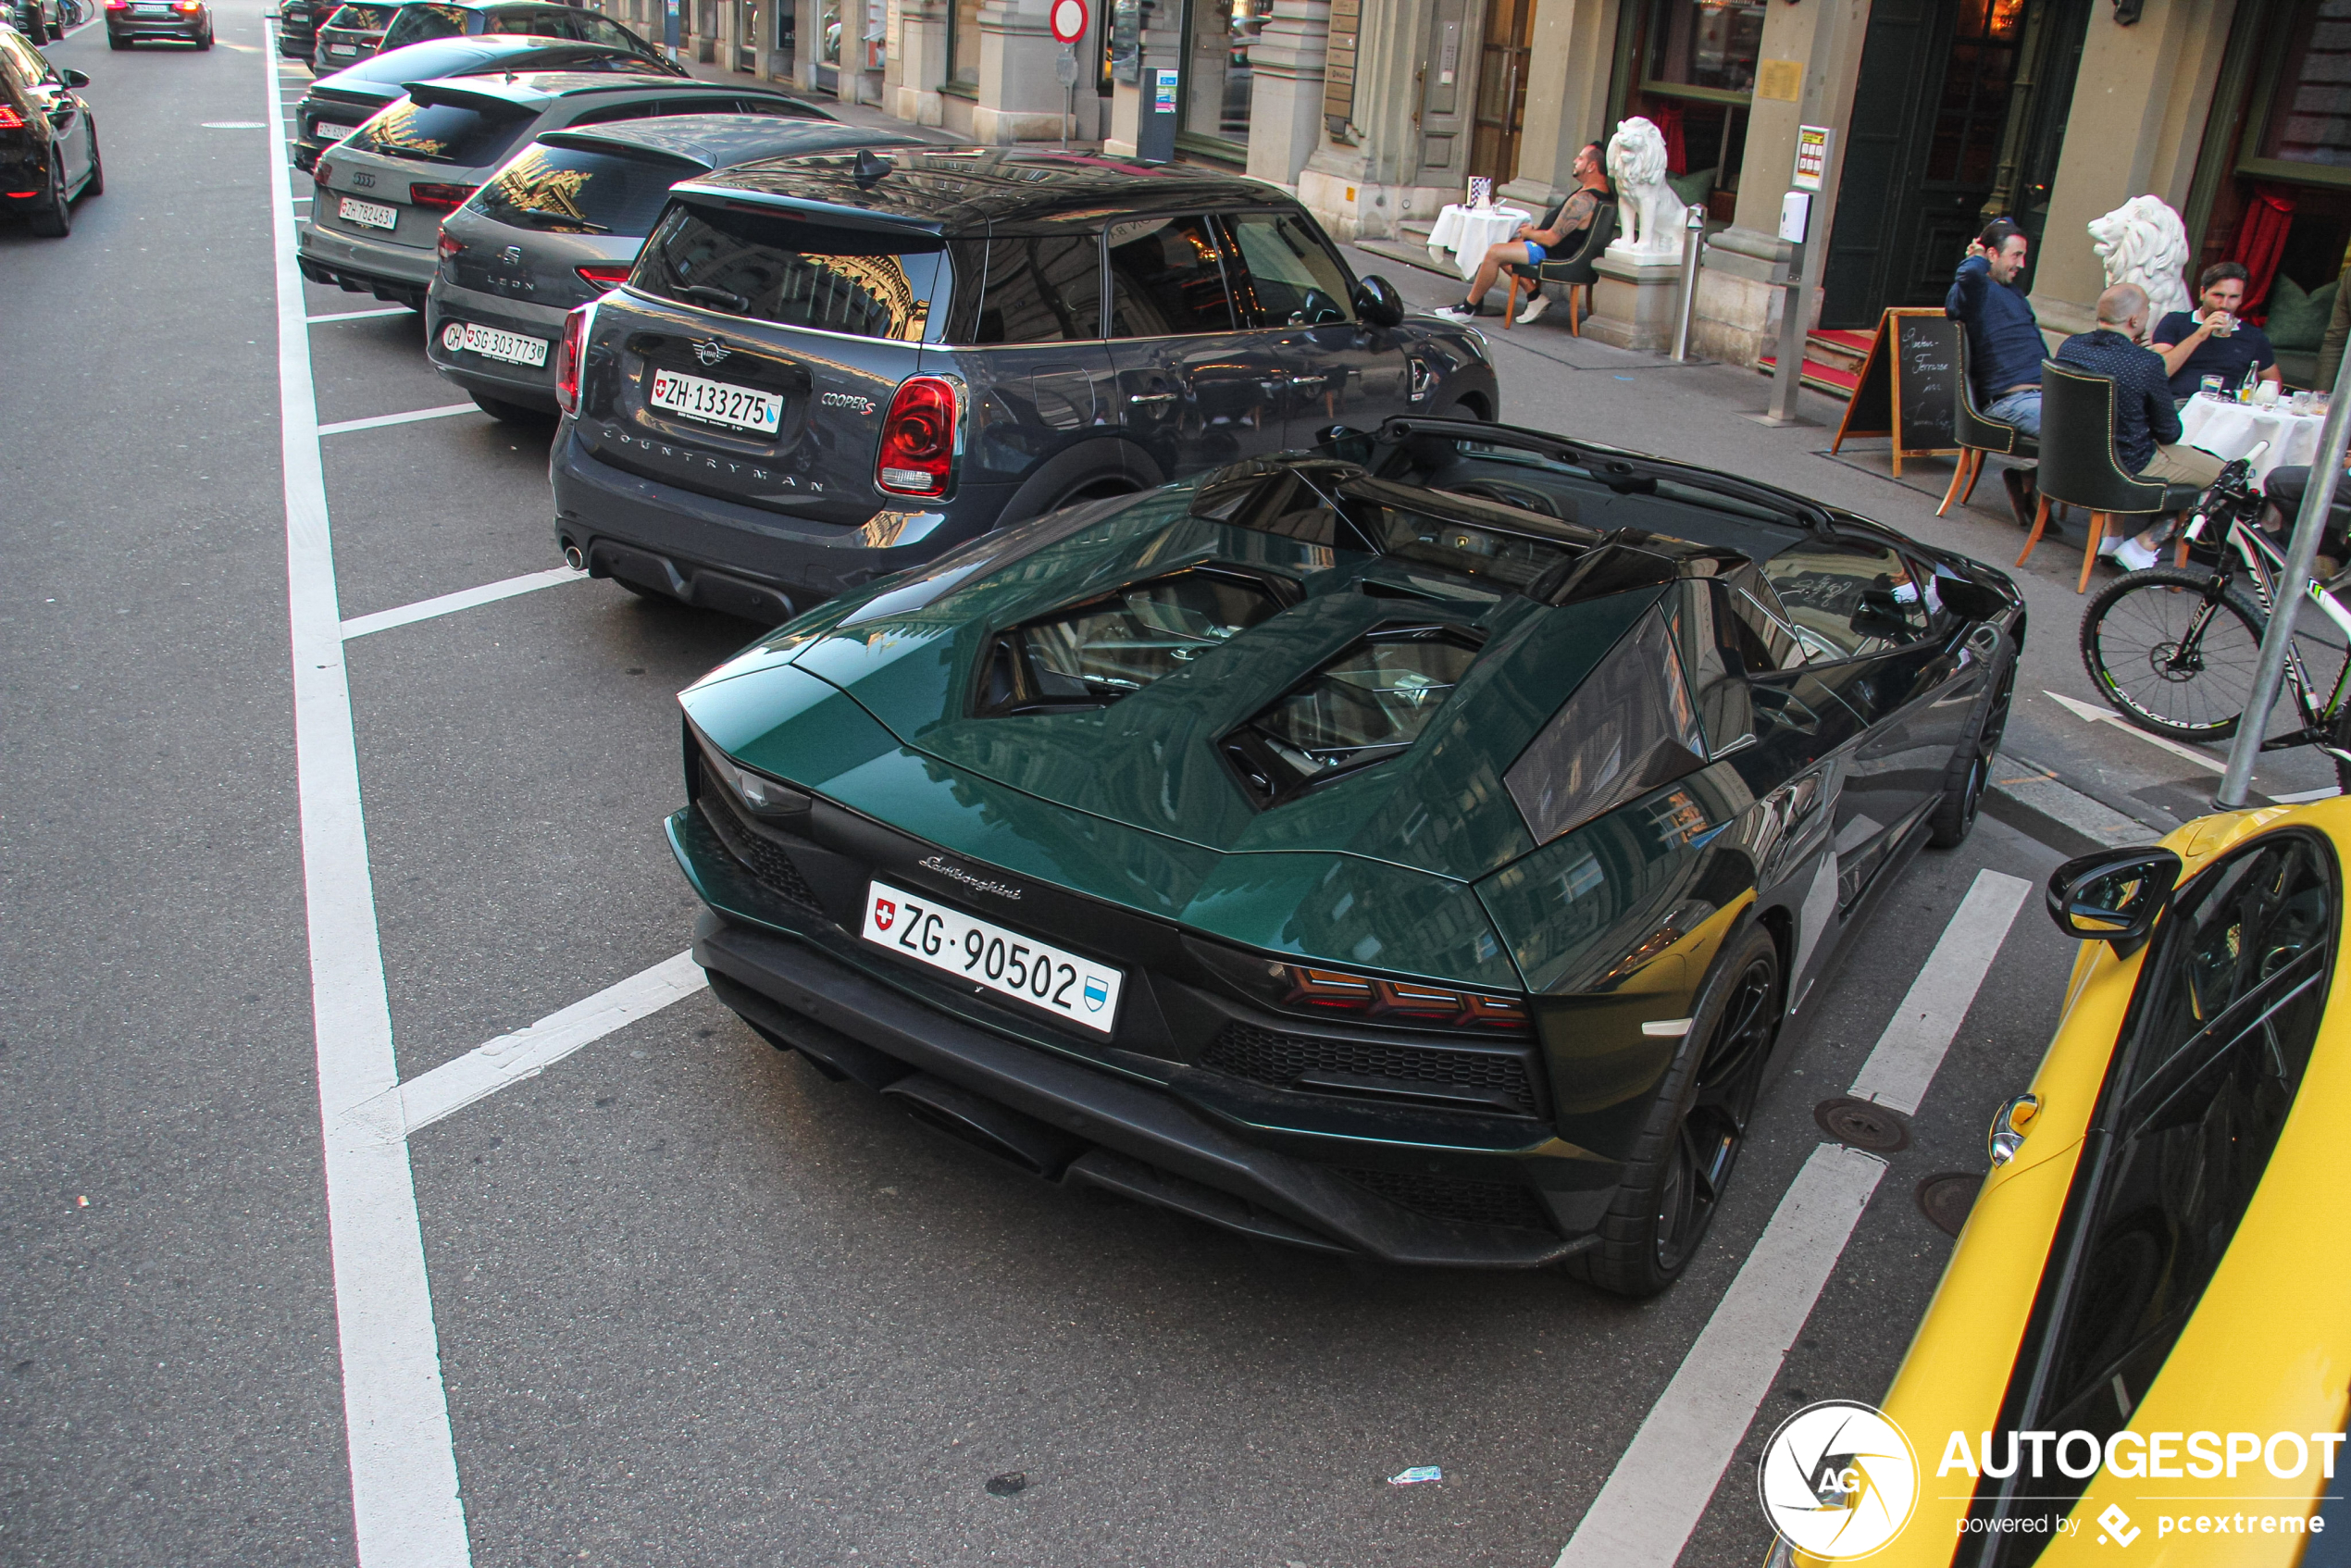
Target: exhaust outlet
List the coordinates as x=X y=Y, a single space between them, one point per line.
x=573 y=558
x=1018 y=1139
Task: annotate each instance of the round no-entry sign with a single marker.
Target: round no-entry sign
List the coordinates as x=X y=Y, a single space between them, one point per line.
x=1069 y=21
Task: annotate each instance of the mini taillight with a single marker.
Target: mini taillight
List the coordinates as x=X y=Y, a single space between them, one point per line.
x=191 y=6
x=11 y=120
x=450 y=248
x=919 y=438
x=567 y=356
x=117 y=4
x=604 y=275
x=440 y=198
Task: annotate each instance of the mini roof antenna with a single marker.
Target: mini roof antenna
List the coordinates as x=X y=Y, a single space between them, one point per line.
x=871 y=168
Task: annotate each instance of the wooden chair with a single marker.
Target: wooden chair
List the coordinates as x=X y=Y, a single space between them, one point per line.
x=2078 y=463
x=1576 y=272
x=1978 y=433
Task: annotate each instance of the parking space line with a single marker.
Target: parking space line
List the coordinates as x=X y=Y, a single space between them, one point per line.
x=406 y=1509
x=463 y=599
x=362 y=315
x=381 y=421
x=419 y=1102
x=1661 y=1487
x=2091 y=713
x=1903 y=1062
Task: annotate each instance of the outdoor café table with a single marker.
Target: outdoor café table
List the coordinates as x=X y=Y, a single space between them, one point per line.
x=1466 y=231
x=2229 y=429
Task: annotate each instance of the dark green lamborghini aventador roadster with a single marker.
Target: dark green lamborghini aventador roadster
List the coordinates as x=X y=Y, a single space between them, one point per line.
x=1409 y=848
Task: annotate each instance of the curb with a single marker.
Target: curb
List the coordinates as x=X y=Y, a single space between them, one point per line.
x=2029 y=799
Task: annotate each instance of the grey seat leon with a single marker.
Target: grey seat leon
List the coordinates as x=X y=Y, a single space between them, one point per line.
x=563 y=222
x=382 y=190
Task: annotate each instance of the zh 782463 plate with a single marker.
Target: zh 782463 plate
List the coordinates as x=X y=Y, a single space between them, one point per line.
x=368 y=214
x=914 y=926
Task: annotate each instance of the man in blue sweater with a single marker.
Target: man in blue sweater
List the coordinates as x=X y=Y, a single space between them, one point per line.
x=2005 y=346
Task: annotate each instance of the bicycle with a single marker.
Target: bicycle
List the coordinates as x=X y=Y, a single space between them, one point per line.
x=2172 y=649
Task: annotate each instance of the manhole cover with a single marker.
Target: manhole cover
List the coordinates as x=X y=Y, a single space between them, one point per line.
x=1945 y=1200
x=1863 y=1124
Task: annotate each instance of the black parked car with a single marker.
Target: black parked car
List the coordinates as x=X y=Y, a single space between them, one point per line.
x=824 y=368
x=298 y=29
x=562 y=223
x=470 y=18
x=158 y=21
x=48 y=140
x=349 y=34
x=337 y=105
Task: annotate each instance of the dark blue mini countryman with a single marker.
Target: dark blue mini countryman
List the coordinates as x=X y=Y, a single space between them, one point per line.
x=830 y=367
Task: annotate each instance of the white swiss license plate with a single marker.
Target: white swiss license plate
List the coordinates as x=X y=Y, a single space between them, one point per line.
x=329 y=131
x=342 y=49
x=716 y=403
x=912 y=926
x=489 y=341
x=368 y=214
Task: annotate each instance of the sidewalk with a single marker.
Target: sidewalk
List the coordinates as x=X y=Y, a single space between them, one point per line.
x=1704 y=413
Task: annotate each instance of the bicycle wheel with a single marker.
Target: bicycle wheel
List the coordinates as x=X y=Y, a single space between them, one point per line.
x=2132 y=638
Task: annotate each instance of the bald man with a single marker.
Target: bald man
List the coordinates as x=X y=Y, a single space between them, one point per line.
x=2147 y=425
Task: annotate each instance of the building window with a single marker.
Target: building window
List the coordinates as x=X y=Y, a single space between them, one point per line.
x=1975 y=110
x=2310 y=118
x=1708 y=43
x=1218 y=36
x=962 y=44
x=1687 y=67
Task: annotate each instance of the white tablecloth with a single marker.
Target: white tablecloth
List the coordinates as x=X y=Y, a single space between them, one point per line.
x=1465 y=231
x=2227 y=428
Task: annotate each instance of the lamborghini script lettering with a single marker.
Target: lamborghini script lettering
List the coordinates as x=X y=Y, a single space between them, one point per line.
x=976 y=884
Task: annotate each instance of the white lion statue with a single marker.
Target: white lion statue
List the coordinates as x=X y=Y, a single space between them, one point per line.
x=2143 y=242
x=1648 y=215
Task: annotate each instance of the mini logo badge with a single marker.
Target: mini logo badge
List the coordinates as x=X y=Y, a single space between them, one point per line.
x=2118 y=1524
x=710 y=350
x=885 y=911
x=453 y=337
x=1837 y=1480
x=1097 y=992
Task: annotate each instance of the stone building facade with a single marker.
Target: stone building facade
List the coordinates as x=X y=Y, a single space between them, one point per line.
x=1945 y=113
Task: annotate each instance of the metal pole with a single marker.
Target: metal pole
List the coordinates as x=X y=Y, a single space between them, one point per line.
x=2334 y=436
x=1788 y=375
x=1693 y=241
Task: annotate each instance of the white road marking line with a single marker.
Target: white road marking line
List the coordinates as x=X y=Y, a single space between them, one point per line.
x=363 y=315
x=463 y=599
x=2096 y=715
x=381 y=421
x=2303 y=796
x=406 y=1509
x=419 y=1102
x=1921 y=1031
x=235 y=125
x=1661 y=1487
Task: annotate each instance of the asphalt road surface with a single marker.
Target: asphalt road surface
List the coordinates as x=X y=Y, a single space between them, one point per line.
x=687 y=1303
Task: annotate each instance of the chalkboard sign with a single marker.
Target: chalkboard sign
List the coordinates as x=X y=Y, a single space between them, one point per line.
x=1909 y=386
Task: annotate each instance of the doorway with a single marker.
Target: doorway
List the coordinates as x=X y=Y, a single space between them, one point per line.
x=1958 y=119
x=1504 y=49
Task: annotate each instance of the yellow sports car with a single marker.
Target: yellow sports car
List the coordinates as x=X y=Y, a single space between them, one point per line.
x=2141 y=1351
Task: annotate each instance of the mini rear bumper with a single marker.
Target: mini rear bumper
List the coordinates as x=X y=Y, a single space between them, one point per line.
x=745 y=560
x=186 y=28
